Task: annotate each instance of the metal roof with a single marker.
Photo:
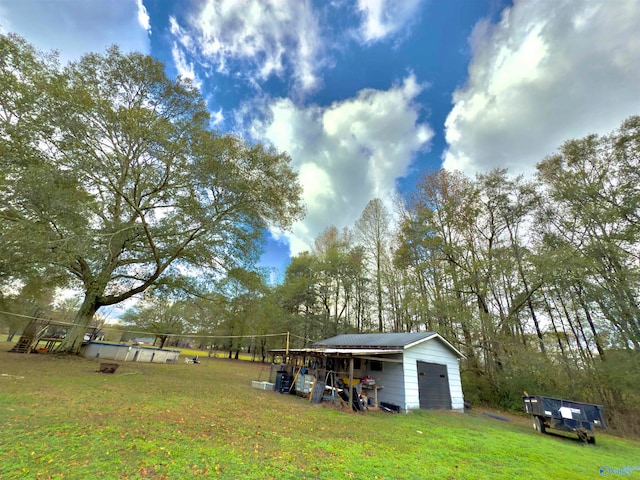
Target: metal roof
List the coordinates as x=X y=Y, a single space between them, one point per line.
x=382 y=341
x=376 y=340
x=338 y=351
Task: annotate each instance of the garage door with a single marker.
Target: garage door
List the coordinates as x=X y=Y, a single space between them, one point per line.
x=433 y=386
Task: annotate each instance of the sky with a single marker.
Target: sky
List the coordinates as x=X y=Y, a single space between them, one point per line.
x=366 y=95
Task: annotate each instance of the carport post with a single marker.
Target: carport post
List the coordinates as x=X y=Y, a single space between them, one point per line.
x=287 y=349
x=350 y=384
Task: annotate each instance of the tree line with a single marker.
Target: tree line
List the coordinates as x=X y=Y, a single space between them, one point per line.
x=536 y=281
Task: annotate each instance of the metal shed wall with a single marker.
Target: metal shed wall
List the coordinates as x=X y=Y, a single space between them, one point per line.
x=392 y=378
x=431 y=351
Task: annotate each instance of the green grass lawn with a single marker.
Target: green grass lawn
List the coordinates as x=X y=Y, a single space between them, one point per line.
x=61 y=419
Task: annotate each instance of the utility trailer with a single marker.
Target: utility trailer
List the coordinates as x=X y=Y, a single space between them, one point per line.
x=564 y=415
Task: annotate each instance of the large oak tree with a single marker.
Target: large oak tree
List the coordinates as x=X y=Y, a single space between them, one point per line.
x=116 y=179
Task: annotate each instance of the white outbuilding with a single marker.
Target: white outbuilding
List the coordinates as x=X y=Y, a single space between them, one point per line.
x=402 y=370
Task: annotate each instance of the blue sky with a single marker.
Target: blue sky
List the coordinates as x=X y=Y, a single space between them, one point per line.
x=364 y=95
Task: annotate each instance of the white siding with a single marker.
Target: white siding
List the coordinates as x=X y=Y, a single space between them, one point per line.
x=391 y=379
x=125 y=353
x=431 y=351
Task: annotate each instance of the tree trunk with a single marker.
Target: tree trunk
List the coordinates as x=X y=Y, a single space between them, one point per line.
x=11 y=334
x=553 y=324
x=75 y=335
x=379 y=291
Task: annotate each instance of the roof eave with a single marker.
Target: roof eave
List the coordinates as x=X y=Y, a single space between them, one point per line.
x=341 y=351
x=439 y=337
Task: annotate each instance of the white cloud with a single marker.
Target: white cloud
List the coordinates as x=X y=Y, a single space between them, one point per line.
x=143 y=16
x=346 y=153
x=549 y=71
x=185 y=68
x=384 y=18
x=181 y=34
x=217 y=118
x=76 y=27
x=269 y=37
x=5 y=24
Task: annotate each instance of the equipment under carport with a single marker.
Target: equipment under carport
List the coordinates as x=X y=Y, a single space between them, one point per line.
x=283 y=382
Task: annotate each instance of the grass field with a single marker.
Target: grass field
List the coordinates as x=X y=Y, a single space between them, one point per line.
x=59 y=418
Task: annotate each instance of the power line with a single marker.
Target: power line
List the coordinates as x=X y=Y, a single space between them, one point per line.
x=140 y=332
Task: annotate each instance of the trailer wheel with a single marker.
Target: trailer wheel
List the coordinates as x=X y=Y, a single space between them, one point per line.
x=538 y=424
x=591 y=440
x=582 y=436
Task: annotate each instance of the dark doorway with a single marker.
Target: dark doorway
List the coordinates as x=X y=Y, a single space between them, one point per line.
x=433 y=386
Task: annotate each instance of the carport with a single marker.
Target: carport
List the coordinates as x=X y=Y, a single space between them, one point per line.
x=402 y=370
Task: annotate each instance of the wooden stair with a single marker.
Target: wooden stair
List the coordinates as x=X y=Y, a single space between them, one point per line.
x=32 y=334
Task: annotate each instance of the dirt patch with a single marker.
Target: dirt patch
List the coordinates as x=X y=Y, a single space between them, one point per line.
x=499 y=415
